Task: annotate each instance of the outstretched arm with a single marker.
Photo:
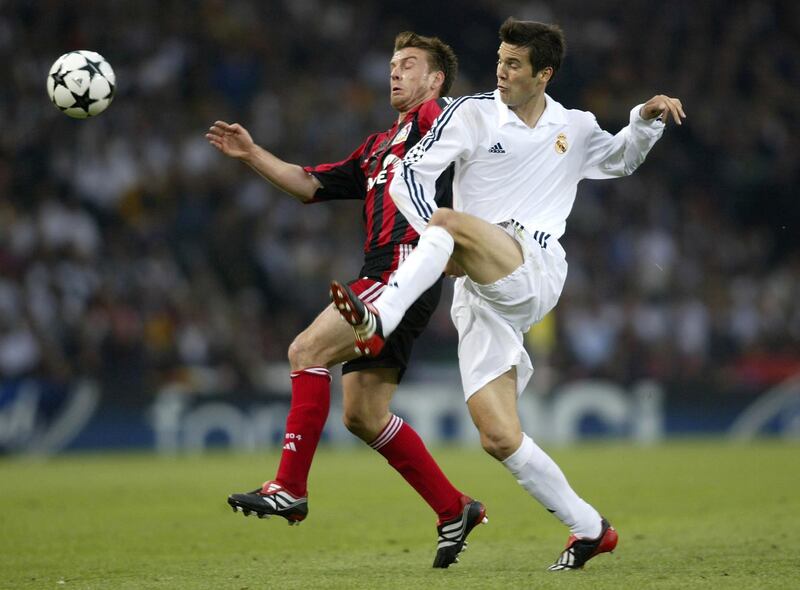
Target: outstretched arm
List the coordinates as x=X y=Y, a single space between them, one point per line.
x=612 y=156
x=234 y=141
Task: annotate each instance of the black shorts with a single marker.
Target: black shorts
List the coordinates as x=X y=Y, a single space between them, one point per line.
x=397 y=350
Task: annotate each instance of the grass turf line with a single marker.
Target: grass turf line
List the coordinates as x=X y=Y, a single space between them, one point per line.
x=693 y=514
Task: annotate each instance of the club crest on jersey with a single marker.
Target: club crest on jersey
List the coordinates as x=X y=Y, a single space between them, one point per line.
x=402 y=135
x=561 y=143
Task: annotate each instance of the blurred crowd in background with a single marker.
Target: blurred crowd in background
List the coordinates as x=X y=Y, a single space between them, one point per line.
x=134 y=253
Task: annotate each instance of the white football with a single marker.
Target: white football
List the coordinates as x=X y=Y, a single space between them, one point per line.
x=81 y=84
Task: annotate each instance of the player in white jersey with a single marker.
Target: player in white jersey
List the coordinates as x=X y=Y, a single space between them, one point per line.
x=519 y=156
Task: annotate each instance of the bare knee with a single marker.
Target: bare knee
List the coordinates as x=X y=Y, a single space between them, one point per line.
x=445 y=218
x=303 y=353
x=366 y=399
x=500 y=443
x=363 y=423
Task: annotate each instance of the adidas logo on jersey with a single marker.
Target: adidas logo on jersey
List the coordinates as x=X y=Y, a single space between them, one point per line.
x=289 y=446
x=497 y=149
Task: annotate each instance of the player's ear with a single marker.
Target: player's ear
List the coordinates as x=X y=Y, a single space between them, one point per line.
x=438 y=79
x=545 y=74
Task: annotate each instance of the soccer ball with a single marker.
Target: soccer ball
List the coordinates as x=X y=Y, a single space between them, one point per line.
x=81 y=84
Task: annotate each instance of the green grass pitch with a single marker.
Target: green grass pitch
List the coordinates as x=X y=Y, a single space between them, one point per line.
x=691 y=514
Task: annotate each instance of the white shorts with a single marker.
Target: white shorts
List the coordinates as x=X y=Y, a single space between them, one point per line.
x=492 y=319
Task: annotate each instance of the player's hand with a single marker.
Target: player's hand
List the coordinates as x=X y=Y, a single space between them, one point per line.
x=232 y=140
x=662 y=107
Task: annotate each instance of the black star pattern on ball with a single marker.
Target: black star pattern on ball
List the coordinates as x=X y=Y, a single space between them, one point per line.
x=93 y=67
x=58 y=79
x=110 y=89
x=82 y=101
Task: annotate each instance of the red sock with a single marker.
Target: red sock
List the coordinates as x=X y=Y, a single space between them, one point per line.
x=405 y=451
x=311 y=401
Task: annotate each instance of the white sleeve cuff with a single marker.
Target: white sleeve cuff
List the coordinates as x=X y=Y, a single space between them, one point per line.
x=653 y=125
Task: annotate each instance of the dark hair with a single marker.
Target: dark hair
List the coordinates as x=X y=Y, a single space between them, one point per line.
x=545 y=43
x=441 y=57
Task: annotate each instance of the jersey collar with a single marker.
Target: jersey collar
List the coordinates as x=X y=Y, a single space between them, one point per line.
x=553 y=113
x=410 y=114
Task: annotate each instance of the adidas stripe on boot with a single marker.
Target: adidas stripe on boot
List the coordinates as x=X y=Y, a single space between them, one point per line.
x=272 y=499
x=453 y=533
x=363 y=317
x=579 y=551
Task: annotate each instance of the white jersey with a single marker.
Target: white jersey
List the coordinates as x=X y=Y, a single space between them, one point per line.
x=505 y=170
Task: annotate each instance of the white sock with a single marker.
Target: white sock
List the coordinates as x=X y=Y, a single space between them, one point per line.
x=416 y=274
x=541 y=477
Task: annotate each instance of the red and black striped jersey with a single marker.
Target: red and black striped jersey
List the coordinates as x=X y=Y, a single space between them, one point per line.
x=366 y=175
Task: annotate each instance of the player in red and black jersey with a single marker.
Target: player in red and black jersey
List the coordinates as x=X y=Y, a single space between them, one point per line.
x=366 y=174
x=422 y=70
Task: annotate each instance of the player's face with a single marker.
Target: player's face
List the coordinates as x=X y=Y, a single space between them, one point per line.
x=412 y=82
x=515 y=76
